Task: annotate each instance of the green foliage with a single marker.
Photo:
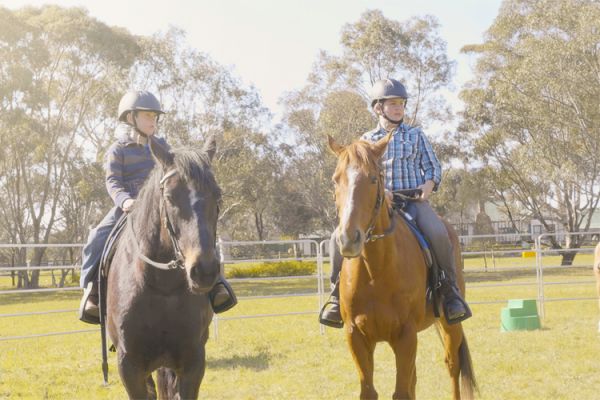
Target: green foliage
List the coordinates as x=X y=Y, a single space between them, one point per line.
x=62 y=69
x=335 y=99
x=532 y=111
x=272 y=269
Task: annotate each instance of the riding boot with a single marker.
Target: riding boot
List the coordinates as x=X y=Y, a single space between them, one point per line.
x=455 y=308
x=222 y=297
x=330 y=314
x=88 y=308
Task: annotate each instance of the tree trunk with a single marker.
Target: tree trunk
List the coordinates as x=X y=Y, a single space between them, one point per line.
x=568 y=257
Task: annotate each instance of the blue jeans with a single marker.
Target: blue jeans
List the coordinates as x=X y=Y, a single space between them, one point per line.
x=92 y=251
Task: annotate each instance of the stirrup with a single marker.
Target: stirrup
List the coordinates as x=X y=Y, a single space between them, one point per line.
x=230 y=303
x=458 y=319
x=83 y=315
x=467 y=314
x=328 y=322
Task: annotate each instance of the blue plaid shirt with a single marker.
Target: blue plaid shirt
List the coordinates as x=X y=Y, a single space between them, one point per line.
x=409 y=160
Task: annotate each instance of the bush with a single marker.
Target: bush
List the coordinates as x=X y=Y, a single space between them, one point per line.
x=270 y=269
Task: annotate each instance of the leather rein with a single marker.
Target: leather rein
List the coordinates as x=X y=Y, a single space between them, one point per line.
x=370 y=237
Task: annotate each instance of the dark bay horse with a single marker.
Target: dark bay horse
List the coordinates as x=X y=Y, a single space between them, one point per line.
x=384 y=278
x=164 y=265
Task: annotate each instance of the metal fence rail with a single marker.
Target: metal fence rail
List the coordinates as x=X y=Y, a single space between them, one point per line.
x=317 y=252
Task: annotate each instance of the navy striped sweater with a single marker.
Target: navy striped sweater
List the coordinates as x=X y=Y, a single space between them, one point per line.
x=127 y=165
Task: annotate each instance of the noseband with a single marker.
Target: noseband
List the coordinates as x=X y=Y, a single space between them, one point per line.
x=178 y=261
x=370 y=237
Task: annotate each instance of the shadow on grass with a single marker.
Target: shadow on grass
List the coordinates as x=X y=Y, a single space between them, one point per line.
x=256 y=362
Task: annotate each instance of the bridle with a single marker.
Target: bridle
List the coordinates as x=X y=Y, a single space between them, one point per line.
x=370 y=237
x=178 y=261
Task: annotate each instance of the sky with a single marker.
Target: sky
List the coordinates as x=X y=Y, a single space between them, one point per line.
x=272 y=44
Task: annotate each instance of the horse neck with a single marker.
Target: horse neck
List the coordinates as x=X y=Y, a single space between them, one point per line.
x=152 y=239
x=375 y=252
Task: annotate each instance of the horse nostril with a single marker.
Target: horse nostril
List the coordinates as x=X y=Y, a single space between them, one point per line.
x=206 y=270
x=357 y=239
x=194 y=272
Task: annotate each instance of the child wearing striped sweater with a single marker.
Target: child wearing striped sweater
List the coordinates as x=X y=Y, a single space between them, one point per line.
x=128 y=164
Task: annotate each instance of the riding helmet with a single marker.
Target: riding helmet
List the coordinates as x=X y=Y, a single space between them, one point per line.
x=138 y=100
x=387 y=89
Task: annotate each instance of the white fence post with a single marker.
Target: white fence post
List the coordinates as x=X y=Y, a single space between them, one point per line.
x=539 y=274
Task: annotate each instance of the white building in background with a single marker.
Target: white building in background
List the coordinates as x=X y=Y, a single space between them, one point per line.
x=524 y=229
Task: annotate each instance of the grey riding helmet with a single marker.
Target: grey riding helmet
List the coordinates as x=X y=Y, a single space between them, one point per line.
x=387 y=89
x=138 y=100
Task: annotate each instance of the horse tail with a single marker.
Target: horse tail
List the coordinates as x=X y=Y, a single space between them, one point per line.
x=467 y=374
x=166 y=380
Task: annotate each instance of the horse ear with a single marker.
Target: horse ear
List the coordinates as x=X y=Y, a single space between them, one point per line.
x=161 y=153
x=334 y=146
x=210 y=146
x=380 y=146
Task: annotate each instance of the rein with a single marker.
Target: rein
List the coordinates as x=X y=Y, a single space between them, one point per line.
x=179 y=259
x=370 y=237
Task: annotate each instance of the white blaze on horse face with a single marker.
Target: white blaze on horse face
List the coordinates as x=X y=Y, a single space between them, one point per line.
x=204 y=233
x=351 y=175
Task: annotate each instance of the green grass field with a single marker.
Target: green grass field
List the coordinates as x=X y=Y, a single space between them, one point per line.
x=288 y=357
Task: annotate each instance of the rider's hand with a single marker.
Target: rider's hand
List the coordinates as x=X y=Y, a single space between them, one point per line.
x=389 y=196
x=426 y=188
x=128 y=205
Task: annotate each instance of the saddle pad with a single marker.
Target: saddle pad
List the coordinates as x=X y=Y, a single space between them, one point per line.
x=418 y=234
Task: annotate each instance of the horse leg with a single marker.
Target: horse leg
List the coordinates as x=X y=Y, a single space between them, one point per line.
x=405 y=350
x=458 y=360
x=192 y=375
x=134 y=377
x=362 y=352
x=166 y=380
x=151 y=388
x=452 y=336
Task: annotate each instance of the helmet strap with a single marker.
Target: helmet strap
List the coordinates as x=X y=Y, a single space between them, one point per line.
x=386 y=117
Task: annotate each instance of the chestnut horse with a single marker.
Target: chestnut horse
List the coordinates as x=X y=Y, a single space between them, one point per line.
x=383 y=280
x=164 y=265
x=597 y=273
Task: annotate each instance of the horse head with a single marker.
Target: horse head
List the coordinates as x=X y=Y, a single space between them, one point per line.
x=359 y=191
x=189 y=210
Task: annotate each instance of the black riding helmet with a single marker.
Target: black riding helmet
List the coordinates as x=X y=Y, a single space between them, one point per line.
x=138 y=100
x=387 y=89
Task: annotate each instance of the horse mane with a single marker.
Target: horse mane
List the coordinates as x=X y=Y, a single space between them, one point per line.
x=359 y=154
x=192 y=165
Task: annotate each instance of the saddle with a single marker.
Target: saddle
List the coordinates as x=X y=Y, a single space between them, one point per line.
x=109 y=248
x=401 y=205
x=107 y=254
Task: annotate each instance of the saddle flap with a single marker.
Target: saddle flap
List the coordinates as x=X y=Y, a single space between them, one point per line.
x=109 y=248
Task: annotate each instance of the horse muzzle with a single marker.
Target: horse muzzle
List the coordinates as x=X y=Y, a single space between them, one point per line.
x=203 y=273
x=350 y=243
